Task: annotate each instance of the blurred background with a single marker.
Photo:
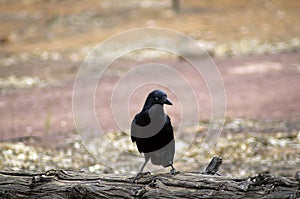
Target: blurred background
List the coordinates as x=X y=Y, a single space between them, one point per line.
x=255 y=44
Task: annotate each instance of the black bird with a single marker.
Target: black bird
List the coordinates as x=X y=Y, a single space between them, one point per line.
x=152 y=131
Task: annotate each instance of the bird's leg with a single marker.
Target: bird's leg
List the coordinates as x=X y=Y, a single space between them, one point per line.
x=173 y=170
x=141 y=174
x=144 y=164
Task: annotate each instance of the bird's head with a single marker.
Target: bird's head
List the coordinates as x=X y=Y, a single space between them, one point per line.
x=157 y=97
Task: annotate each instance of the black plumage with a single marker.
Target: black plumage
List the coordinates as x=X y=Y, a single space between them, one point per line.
x=152 y=131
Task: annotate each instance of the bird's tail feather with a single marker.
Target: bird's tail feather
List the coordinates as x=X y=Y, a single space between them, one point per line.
x=160 y=159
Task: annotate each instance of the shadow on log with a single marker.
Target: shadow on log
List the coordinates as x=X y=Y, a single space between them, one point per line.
x=74 y=184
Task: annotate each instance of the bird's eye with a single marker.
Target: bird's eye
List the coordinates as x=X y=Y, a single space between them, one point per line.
x=156 y=98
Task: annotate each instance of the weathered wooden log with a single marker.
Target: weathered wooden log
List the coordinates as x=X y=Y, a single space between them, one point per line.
x=74 y=184
x=213 y=166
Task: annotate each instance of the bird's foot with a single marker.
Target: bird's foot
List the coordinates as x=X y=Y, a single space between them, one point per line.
x=173 y=171
x=140 y=175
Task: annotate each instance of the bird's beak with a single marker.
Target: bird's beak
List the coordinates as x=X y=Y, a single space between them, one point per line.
x=168 y=102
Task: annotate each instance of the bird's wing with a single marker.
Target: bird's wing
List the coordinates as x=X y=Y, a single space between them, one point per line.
x=169 y=136
x=165 y=155
x=140 y=119
x=168 y=127
x=133 y=128
x=172 y=143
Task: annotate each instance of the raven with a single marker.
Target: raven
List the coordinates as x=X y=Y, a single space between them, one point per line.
x=152 y=131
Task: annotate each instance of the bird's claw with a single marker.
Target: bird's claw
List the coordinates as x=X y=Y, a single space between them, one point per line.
x=140 y=175
x=146 y=173
x=173 y=171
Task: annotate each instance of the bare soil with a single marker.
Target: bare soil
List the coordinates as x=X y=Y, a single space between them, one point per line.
x=42 y=39
x=262 y=87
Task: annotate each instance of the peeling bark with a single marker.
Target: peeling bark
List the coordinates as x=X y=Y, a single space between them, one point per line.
x=73 y=184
